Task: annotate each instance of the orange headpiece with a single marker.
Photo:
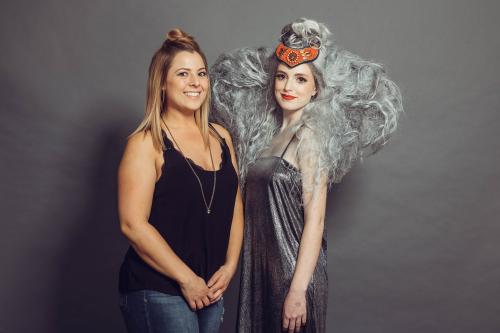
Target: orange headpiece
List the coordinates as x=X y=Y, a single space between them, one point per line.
x=294 y=57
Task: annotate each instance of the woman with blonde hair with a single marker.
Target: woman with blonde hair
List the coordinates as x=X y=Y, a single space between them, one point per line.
x=178 y=200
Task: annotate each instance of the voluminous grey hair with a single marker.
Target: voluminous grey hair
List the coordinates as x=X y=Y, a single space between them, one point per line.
x=354 y=113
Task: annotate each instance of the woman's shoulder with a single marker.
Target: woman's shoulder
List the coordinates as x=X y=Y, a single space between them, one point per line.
x=141 y=143
x=224 y=133
x=140 y=139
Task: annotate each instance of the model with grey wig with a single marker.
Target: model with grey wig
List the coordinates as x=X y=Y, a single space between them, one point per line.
x=354 y=113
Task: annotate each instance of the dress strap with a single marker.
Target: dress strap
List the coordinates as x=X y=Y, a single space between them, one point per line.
x=223 y=144
x=216 y=133
x=167 y=142
x=284 y=151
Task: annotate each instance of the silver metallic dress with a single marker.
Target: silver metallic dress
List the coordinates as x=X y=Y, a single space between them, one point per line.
x=274 y=221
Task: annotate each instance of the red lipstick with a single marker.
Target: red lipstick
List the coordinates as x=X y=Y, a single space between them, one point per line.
x=288 y=97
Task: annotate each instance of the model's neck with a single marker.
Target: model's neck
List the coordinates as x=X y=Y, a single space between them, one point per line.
x=291 y=118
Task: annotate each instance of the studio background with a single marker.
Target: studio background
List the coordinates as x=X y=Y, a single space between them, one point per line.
x=412 y=232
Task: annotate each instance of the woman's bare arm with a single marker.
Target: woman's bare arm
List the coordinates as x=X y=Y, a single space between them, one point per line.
x=314 y=192
x=136 y=181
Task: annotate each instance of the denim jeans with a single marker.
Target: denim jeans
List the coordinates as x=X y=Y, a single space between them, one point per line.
x=148 y=311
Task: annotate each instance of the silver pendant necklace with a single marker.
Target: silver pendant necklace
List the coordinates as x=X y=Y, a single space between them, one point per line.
x=209 y=205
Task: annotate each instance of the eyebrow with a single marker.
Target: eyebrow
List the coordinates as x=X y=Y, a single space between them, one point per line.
x=296 y=74
x=188 y=69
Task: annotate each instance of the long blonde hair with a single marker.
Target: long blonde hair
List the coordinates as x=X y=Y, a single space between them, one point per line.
x=156 y=102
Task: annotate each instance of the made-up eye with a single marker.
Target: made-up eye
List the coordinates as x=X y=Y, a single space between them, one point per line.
x=280 y=76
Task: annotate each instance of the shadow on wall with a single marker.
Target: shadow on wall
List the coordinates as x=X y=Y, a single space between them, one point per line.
x=343 y=199
x=87 y=285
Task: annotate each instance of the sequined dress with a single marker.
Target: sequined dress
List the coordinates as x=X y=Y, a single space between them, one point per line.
x=274 y=221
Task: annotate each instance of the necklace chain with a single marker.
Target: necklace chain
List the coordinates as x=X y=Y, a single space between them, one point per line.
x=209 y=205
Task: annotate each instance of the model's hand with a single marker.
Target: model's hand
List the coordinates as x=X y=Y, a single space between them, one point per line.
x=219 y=282
x=294 y=311
x=196 y=292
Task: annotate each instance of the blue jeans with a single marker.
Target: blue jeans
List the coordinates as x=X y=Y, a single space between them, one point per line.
x=148 y=311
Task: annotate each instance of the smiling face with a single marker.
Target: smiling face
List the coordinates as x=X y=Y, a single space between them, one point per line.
x=294 y=87
x=187 y=82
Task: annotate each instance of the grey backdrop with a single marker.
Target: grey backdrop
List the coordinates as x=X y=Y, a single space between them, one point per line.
x=413 y=231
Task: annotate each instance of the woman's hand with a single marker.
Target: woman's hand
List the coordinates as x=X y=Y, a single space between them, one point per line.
x=219 y=282
x=294 y=311
x=196 y=292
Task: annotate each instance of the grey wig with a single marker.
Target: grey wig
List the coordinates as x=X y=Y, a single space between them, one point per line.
x=354 y=113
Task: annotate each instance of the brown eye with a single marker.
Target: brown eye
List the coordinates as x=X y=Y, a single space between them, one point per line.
x=280 y=76
x=202 y=74
x=301 y=79
x=183 y=74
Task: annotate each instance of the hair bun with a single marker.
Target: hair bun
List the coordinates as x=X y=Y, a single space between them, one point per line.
x=178 y=36
x=304 y=33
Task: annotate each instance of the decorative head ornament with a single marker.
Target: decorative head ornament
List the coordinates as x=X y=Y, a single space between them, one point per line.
x=300 y=42
x=294 y=57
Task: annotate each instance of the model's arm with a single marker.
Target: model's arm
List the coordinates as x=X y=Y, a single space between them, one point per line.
x=136 y=181
x=219 y=282
x=314 y=189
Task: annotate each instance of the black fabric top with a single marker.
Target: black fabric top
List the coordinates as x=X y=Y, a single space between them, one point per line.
x=180 y=216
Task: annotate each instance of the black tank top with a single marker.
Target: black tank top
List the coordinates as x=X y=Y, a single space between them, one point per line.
x=180 y=216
